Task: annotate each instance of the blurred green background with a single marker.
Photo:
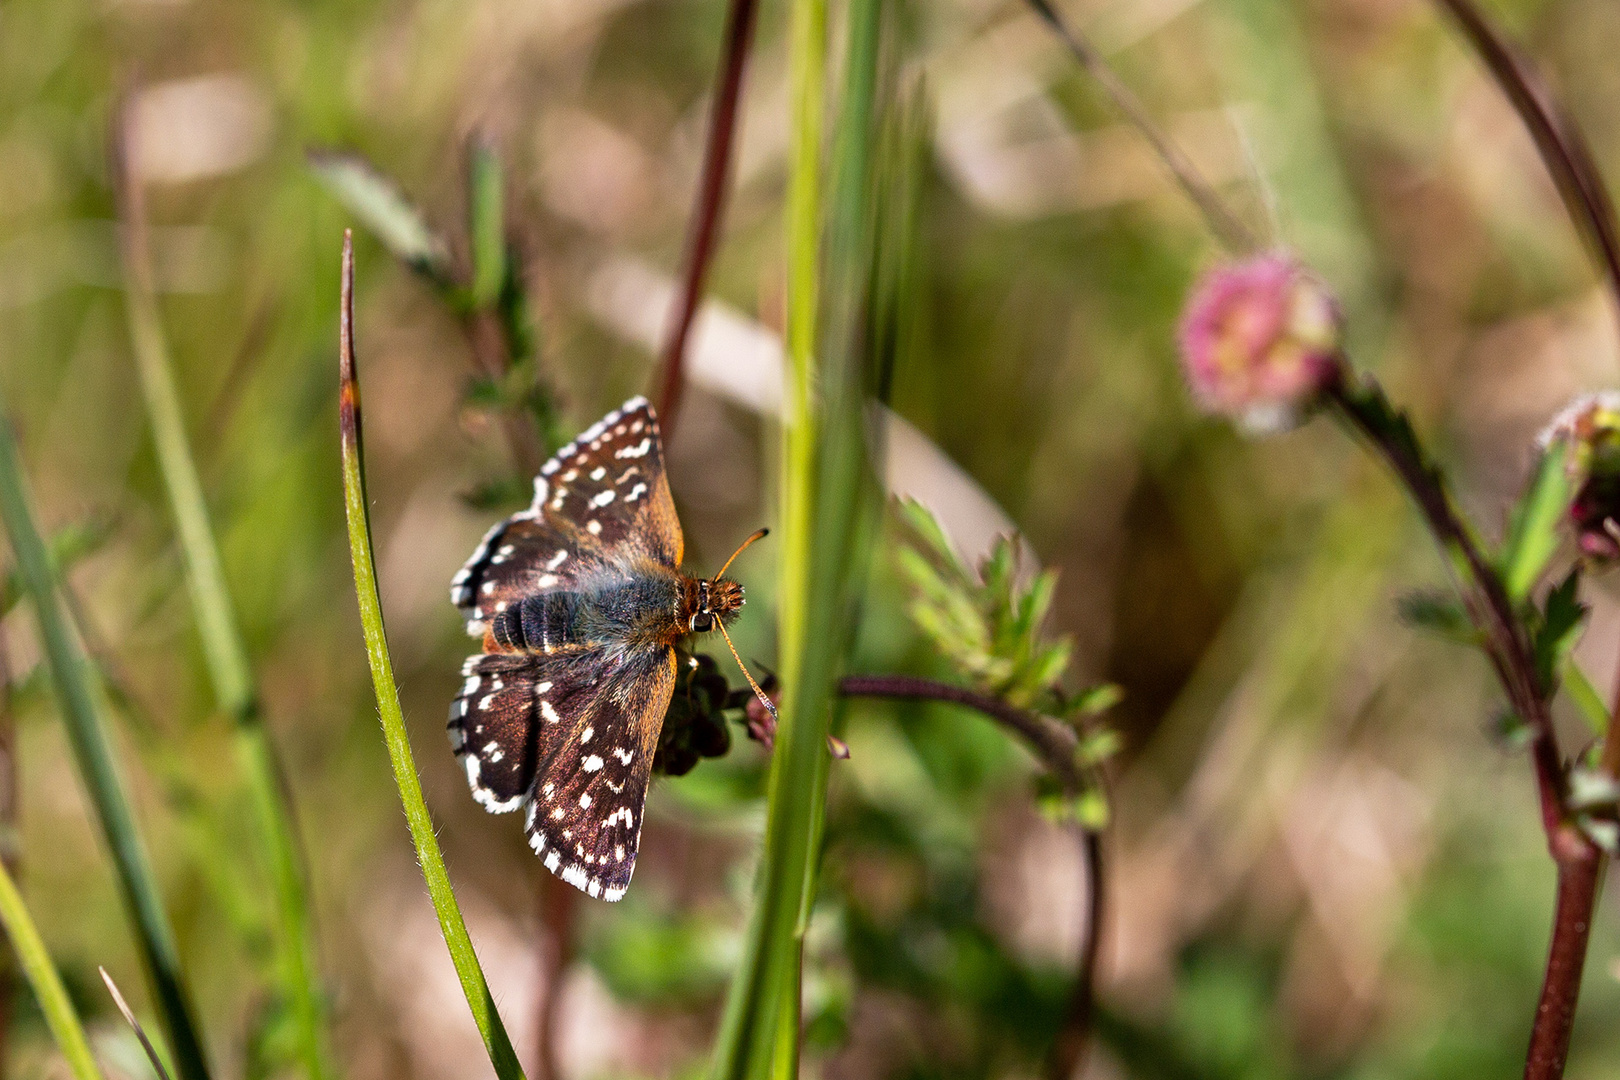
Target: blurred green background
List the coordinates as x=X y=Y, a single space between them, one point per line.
x=1321 y=863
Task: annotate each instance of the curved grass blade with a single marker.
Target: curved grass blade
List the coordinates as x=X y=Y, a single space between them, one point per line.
x=69 y=674
x=223 y=649
x=453 y=926
x=47 y=983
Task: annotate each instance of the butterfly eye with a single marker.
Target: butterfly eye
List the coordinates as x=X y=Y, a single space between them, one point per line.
x=702 y=622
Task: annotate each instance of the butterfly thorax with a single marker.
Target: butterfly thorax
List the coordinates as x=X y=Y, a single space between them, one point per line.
x=647 y=604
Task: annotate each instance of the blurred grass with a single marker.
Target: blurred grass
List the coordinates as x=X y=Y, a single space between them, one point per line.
x=52 y=996
x=1241 y=593
x=228 y=666
x=71 y=677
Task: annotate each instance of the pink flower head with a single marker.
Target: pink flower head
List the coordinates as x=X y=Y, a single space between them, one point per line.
x=1590 y=429
x=1260 y=341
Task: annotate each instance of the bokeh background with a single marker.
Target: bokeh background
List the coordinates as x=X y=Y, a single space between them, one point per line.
x=1322 y=862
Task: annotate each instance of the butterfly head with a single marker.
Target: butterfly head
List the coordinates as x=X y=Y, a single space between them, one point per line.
x=717 y=603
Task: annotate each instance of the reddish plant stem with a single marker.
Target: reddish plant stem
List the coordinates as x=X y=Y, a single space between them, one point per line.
x=739 y=34
x=1485 y=598
x=1055 y=745
x=1579 y=862
x=1579 y=873
x=1563 y=149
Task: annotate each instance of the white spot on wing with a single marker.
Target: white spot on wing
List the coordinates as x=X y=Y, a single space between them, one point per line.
x=592 y=763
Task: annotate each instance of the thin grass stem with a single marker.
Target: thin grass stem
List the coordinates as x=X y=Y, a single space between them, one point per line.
x=71 y=679
x=1226 y=225
x=739 y=35
x=52 y=996
x=223 y=649
x=356 y=507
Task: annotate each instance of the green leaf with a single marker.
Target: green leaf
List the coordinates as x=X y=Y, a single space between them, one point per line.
x=1586 y=698
x=1533 y=533
x=1510 y=729
x=64 y=548
x=1097 y=747
x=1559 y=628
x=487 y=206
x=1095 y=700
x=1439 y=615
x=382 y=208
x=926 y=526
x=429 y=856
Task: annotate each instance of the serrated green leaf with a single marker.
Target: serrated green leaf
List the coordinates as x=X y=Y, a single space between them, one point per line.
x=1559 y=629
x=1097 y=747
x=379 y=204
x=1094 y=700
x=926 y=527
x=1533 y=533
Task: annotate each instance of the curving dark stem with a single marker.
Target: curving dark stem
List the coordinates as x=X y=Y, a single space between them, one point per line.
x=740 y=19
x=1579 y=862
x=1055 y=745
x=1559 y=140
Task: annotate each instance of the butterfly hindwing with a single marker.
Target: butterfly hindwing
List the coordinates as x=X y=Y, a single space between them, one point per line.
x=507 y=719
x=610 y=485
x=584 y=820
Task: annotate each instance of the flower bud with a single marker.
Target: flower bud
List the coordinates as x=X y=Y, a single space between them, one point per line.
x=1260 y=341
x=1590 y=429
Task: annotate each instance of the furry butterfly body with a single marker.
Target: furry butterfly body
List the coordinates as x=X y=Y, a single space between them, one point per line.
x=580 y=604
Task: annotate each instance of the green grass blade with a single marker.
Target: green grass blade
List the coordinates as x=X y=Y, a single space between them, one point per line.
x=223 y=649
x=827 y=496
x=453 y=926
x=47 y=983
x=71 y=678
x=747 y=1042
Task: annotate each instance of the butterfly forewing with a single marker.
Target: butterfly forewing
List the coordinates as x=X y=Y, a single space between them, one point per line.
x=584 y=820
x=609 y=483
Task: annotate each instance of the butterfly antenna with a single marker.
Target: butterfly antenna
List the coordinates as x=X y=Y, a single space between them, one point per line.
x=758 y=535
x=763 y=699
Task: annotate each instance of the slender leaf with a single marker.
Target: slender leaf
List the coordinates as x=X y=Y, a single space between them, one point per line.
x=71 y=678
x=428 y=854
x=1586 y=698
x=1533 y=534
x=383 y=208
x=222 y=646
x=52 y=996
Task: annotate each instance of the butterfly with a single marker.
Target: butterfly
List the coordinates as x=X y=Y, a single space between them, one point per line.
x=581 y=605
